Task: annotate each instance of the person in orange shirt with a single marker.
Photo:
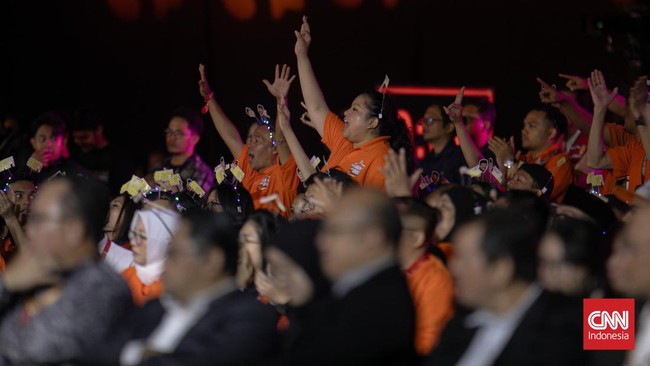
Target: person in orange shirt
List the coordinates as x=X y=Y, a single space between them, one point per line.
x=543 y=137
x=151 y=232
x=429 y=281
x=370 y=127
x=631 y=159
x=265 y=158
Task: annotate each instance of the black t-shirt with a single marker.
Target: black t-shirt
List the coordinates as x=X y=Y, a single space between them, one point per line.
x=111 y=165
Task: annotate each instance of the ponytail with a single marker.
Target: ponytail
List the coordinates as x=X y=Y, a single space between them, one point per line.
x=391 y=125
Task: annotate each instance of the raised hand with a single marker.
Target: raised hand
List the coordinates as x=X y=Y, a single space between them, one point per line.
x=550 y=95
x=599 y=93
x=639 y=97
x=268 y=286
x=280 y=87
x=503 y=149
x=303 y=38
x=398 y=182
x=204 y=88
x=326 y=193
x=304 y=118
x=575 y=82
x=6 y=206
x=455 y=109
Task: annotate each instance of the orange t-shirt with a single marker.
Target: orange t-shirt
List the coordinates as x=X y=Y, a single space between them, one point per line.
x=631 y=161
x=363 y=163
x=432 y=290
x=280 y=179
x=9 y=248
x=617 y=137
x=558 y=163
x=141 y=292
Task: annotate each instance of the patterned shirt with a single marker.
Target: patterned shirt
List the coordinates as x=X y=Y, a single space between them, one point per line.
x=194 y=168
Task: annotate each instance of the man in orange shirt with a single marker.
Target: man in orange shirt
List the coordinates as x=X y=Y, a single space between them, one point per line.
x=630 y=160
x=429 y=281
x=543 y=137
x=265 y=159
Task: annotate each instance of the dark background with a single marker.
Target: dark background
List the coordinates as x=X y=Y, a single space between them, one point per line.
x=66 y=54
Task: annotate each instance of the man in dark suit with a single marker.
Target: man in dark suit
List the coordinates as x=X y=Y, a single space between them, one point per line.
x=202 y=319
x=372 y=312
x=514 y=322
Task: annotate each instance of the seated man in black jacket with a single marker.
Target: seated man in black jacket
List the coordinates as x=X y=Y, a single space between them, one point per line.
x=202 y=319
x=373 y=315
x=515 y=322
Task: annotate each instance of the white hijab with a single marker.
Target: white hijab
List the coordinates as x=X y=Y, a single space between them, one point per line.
x=159 y=226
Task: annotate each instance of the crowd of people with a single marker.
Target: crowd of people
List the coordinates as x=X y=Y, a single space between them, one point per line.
x=478 y=254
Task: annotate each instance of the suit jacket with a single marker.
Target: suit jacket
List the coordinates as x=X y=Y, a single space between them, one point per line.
x=549 y=333
x=373 y=324
x=237 y=329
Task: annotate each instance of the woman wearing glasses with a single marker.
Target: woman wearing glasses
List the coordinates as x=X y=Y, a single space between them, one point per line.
x=150 y=235
x=359 y=142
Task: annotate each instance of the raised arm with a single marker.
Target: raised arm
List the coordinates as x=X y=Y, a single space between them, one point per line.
x=280 y=89
x=311 y=92
x=8 y=214
x=223 y=124
x=470 y=151
x=574 y=82
x=302 y=161
x=597 y=157
x=640 y=110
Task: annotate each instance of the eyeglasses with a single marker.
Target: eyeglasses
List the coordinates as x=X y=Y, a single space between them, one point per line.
x=135 y=235
x=430 y=120
x=174 y=133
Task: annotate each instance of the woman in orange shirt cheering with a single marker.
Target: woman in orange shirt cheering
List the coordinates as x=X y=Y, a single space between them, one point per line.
x=370 y=126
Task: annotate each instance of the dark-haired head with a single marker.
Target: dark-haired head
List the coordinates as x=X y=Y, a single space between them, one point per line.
x=202 y=254
x=119 y=232
x=364 y=123
x=233 y=200
x=572 y=257
x=544 y=126
x=183 y=131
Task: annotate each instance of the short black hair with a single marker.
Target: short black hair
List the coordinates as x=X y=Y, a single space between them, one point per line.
x=193 y=118
x=85 y=199
x=335 y=174
x=554 y=119
x=583 y=244
x=530 y=206
x=382 y=213
x=509 y=234
x=411 y=206
x=211 y=230
x=53 y=119
x=267 y=225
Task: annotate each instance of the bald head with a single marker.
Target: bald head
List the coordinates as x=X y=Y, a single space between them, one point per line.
x=363 y=227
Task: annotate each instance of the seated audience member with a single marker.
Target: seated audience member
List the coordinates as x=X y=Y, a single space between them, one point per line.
x=515 y=322
x=202 y=318
x=49 y=138
x=234 y=200
x=429 y=281
x=181 y=136
x=254 y=236
x=265 y=159
x=55 y=298
x=323 y=191
x=373 y=317
x=15 y=202
x=150 y=235
x=572 y=258
x=102 y=160
x=543 y=136
x=115 y=247
x=456 y=204
x=295 y=283
x=369 y=128
x=534 y=178
x=627 y=271
x=628 y=160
